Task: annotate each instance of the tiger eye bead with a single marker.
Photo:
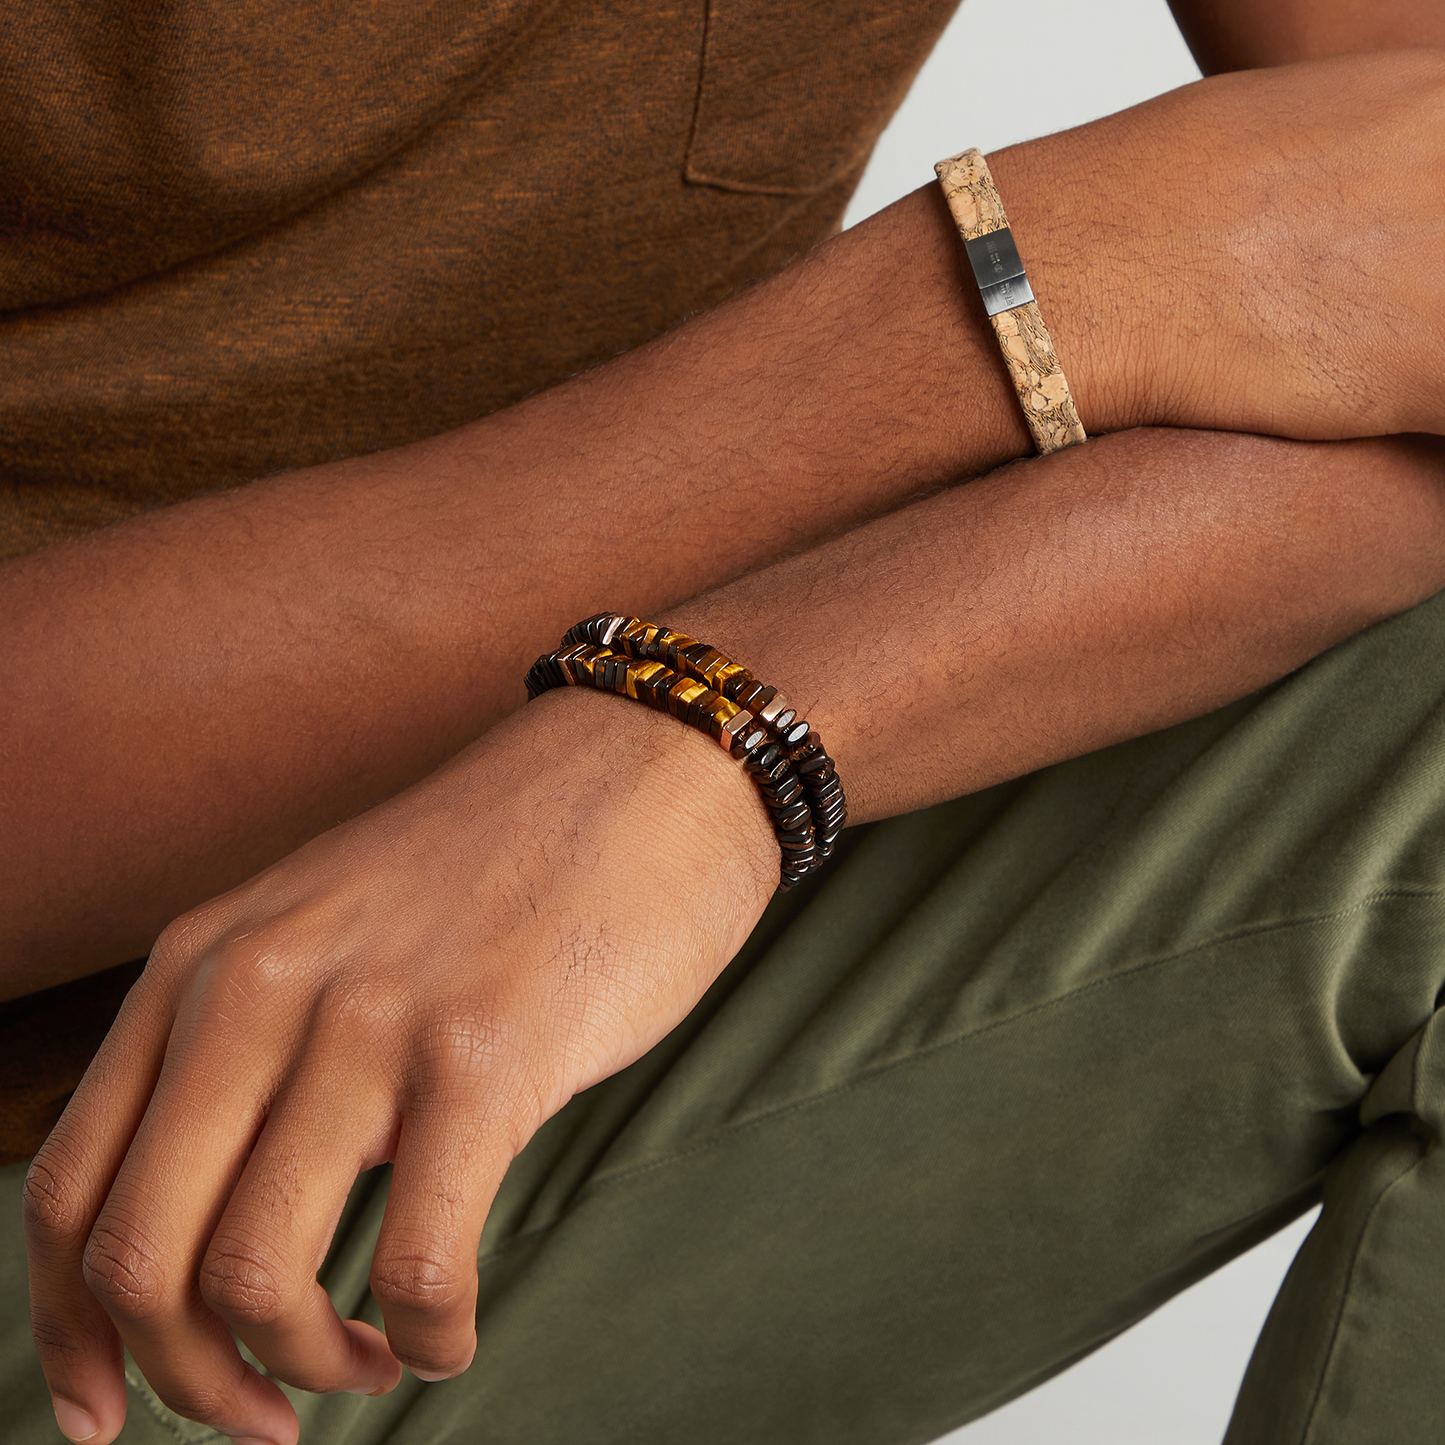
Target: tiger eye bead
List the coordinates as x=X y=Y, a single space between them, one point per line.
x=734 y=677
x=774 y=707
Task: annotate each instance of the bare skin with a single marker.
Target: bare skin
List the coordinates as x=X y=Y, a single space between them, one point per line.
x=197 y=692
x=1239 y=34
x=429 y=982
x=1104 y=593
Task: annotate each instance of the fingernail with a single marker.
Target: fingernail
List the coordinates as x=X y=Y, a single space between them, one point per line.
x=75 y=1423
x=249 y=1440
x=429 y=1376
x=384 y=1388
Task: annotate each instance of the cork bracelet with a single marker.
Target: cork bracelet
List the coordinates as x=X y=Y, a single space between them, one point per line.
x=671 y=672
x=1009 y=300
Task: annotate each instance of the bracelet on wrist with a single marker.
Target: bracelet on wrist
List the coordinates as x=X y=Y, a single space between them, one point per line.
x=700 y=686
x=1028 y=350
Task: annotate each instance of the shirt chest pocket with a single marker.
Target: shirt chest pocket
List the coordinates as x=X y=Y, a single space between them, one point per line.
x=794 y=93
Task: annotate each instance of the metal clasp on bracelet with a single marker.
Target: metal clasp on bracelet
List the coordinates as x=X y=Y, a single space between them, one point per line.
x=998 y=271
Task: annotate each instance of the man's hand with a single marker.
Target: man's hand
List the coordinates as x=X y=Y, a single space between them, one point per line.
x=430 y=981
x=427 y=984
x=193 y=694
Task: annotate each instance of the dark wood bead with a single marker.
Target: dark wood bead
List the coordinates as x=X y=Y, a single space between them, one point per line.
x=740 y=746
x=764 y=758
x=794 y=733
x=783 y=721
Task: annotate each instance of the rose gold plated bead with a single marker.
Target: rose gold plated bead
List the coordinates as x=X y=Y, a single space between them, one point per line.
x=567 y=661
x=770 y=710
x=740 y=721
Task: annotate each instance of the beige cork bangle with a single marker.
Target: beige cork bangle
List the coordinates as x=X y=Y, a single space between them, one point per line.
x=1009 y=300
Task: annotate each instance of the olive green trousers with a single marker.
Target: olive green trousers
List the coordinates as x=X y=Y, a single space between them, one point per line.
x=1015 y=1071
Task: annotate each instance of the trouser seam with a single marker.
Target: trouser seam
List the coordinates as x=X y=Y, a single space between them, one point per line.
x=1317 y=1394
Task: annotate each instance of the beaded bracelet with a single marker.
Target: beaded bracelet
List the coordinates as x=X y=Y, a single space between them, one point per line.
x=697 y=684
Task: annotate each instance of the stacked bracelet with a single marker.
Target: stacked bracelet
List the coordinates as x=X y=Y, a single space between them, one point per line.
x=697 y=684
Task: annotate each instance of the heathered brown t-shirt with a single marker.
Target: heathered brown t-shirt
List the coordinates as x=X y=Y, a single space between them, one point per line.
x=240 y=236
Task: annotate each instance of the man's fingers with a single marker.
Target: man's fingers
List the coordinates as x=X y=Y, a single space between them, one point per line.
x=143 y=1255
x=259 y=1269
x=455 y=1146
x=79 y=1349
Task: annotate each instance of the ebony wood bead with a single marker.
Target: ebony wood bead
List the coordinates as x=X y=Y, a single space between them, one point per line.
x=783 y=721
x=787 y=791
x=794 y=733
x=765 y=758
x=747 y=740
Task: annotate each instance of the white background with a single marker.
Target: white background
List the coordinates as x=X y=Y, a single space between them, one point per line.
x=1007 y=71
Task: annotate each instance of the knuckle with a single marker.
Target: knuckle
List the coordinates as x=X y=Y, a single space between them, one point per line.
x=64 y=1339
x=420 y=1281
x=465 y=1047
x=196 y=1401
x=53 y=1204
x=240 y=1286
x=123 y=1270
x=182 y=939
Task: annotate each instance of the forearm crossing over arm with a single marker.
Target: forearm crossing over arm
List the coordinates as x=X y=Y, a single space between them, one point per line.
x=1242 y=34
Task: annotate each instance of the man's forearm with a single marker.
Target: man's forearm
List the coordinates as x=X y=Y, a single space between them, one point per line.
x=1243 y=34
x=1062 y=605
x=191 y=695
